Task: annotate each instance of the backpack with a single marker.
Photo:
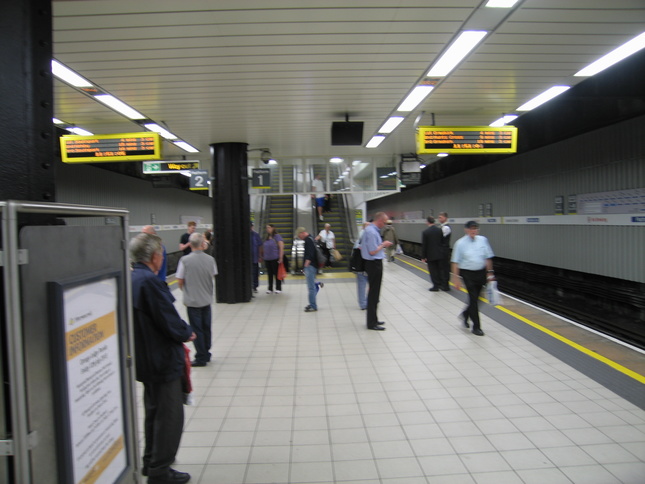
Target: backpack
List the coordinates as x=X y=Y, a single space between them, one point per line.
x=320 y=255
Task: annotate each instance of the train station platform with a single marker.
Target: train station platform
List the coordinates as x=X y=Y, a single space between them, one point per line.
x=295 y=397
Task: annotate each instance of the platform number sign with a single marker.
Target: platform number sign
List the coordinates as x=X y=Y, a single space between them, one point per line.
x=199 y=179
x=261 y=178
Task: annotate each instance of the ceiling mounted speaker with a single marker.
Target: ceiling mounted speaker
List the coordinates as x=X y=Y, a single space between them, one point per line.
x=347 y=133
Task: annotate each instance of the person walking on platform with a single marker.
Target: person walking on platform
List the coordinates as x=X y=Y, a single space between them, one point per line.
x=372 y=251
x=444 y=265
x=432 y=251
x=272 y=252
x=389 y=234
x=310 y=267
x=160 y=360
x=472 y=259
x=184 y=245
x=256 y=243
x=195 y=273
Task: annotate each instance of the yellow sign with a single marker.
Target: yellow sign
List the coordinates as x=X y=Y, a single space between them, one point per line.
x=106 y=148
x=466 y=139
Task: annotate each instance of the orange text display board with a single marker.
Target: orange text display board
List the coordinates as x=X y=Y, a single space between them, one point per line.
x=106 y=148
x=466 y=139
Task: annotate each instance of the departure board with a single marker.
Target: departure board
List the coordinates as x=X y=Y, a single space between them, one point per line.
x=466 y=139
x=107 y=148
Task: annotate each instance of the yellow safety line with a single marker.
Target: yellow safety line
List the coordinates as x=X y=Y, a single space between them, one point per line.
x=616 y=366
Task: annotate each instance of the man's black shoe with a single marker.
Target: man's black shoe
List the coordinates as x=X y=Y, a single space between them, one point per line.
x=380 y=323
x=433 y=289
x=464 y=319
x=196 y=363
x=478 y=332
x=445 y=289
x=377 y=328
x=173 y=477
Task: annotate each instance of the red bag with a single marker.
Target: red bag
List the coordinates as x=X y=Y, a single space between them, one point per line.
x=282 y=272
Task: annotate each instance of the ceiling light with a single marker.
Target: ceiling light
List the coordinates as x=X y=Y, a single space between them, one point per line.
x=459 y=49
x=335 y=159
x=391 y=124
x=186 y=147
x=542 y=98
x=57 y=121
x=162 y=131
x=119 y=106
x=272 y=162
x=417 y=95
x=501 y=3
x=69 y=76
x=616 y=55
x=375 y=141
x=503 y=121
x=77 y=130
x=442 y=155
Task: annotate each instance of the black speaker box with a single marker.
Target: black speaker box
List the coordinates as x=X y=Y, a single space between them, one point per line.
x=347 y=133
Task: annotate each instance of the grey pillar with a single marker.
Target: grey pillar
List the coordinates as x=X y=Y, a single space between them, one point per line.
x=26 y=110
x=231 y=220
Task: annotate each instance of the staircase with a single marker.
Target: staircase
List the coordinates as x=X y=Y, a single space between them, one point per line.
x=338 y=219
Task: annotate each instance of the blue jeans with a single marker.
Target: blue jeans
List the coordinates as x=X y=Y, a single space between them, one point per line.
x=200 y=320
x=310 y=274
x=361 y=287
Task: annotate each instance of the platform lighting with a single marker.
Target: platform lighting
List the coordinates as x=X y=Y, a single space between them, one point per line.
x=57 y=121
x=542 y=98
x=158 y=129
x=185 y=146
x=459 y=49
x=415 y=97
x=501 y=3
x=77 y=130
x=119 y=106
x=503 y=121
x=442 y=155
x=616 y=55
x=67 y=75
x=335 y=159
x=391 y=124
x=375 y=141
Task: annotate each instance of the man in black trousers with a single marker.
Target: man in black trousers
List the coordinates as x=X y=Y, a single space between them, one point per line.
x=432 y=251
x=159 y=334
x=372 y=246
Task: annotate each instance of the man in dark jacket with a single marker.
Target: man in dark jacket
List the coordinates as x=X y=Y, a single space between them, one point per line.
x=159 y=333
x=432 y=252
x=309 y=267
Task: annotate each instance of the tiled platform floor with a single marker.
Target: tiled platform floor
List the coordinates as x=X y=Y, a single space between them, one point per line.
x=295 y=397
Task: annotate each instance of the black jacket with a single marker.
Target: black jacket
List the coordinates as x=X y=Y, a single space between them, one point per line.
x=159 y=331
x=431 y=243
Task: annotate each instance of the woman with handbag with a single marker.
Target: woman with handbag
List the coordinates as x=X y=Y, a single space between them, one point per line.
x=272 y=252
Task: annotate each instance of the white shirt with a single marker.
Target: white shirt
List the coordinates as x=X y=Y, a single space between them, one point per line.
x=318 y=186
x=328 y=238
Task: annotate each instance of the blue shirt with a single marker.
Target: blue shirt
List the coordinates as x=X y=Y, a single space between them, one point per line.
x=371 y=240
x=471 y=254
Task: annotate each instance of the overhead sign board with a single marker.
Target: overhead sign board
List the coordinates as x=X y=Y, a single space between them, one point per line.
x=466 y=139
x=165 y=167
x=198 y=180
x=261 y=178
x=107 y=148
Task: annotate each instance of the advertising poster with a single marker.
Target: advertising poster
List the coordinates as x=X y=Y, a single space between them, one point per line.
x=89 y=365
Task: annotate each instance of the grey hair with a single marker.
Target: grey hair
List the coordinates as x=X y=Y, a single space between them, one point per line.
x=143 y=246
x=196 y=240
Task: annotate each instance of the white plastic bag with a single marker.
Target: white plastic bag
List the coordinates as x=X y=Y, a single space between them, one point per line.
x=492 y=293
x=399 y=249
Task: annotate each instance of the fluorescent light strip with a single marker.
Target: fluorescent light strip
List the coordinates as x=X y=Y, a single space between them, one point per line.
x=391 y=124
x=503 y=121
x=616 y=55
x=335 y=159
x=501 y=3
x=58 y=121
x=186 y=147
x=375 y=141
x=542 y=98
x=67 y=75
x=119 y=106
x=459 y=49
x=413 y=99
x=162 y=131
x=81 y=131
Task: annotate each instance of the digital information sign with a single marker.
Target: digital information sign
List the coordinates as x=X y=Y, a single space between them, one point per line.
x=466 y=139
x=106 y=148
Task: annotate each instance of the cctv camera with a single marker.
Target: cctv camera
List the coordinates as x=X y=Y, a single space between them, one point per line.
x=265 y=156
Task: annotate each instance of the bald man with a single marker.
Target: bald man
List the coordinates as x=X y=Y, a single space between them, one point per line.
x=150 y=230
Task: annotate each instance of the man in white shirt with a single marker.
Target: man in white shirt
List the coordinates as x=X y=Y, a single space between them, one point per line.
x=319 y=194
x=328 y=239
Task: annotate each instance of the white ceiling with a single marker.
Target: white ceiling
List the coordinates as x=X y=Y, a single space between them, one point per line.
x=276 y=73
